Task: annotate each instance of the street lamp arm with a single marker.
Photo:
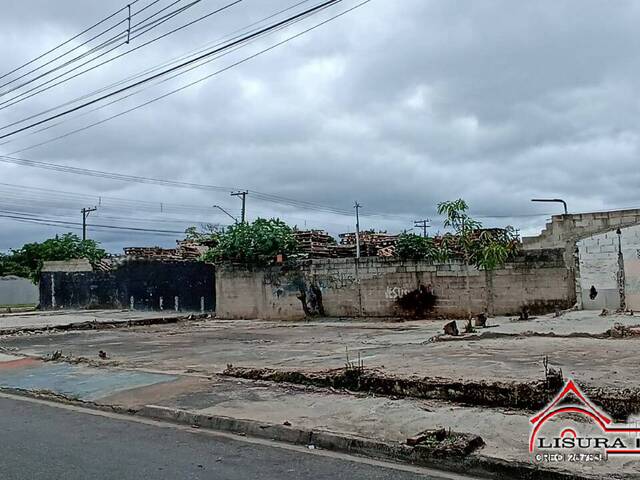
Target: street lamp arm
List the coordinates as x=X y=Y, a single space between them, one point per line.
x=226 y=213
x=555 y=200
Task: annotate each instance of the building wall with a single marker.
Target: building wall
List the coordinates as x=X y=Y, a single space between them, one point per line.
x=17 y=291
x=143 y=285
x=598 y=267
x=371 y=287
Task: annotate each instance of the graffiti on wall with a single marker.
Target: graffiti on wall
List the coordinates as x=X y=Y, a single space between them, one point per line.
x=393 y=293
x=337 y=281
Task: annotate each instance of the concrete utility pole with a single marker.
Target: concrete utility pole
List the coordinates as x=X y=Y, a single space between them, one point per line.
x=244 y=202
x=226 y=213
x=85 y=214
x=357 y=206
x=552 y=200
x=423 y=224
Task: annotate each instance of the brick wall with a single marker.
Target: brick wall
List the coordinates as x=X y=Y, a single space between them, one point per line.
x=371 y=287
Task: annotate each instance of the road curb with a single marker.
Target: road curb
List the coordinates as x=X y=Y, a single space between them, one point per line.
x=473 y=464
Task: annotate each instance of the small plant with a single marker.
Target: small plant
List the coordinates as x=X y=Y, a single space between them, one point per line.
x=354 y=366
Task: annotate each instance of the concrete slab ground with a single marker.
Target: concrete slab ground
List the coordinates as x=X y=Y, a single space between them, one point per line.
x=504 y=432
x=179 y=367
x=406 y=348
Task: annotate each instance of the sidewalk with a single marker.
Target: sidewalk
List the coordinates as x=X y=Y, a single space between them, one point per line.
x=35 y=321
x=356 y=423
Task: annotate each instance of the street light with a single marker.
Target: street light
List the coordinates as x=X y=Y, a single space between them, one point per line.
x=226 y=213
x=552 y=200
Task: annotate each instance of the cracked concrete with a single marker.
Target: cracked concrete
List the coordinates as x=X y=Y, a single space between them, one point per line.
x=207 y=347
x=194 y=353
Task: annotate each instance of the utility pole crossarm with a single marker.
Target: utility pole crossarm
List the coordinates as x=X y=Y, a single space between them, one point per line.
x=85 y=213
x=244 y=203
x=423 y=224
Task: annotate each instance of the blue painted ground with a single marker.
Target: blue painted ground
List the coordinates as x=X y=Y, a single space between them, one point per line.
x=78 y=382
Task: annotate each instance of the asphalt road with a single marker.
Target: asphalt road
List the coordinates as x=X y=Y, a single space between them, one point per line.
x=40 y=441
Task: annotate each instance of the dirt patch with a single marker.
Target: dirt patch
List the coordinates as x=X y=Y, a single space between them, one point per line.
x=529 y=395
x=533 y=395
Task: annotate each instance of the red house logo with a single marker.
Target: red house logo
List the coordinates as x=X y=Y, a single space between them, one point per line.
x=612 y=438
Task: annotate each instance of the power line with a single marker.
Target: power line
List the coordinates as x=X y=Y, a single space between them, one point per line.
x=202 y=48
x=72 y=132
x=170 y=70
x=30 y=62
x=32 y=218
x=34 y=90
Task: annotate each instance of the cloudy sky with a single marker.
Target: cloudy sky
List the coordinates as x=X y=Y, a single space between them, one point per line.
x=398 y=105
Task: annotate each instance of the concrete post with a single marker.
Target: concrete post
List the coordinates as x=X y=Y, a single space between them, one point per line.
x=53 y=291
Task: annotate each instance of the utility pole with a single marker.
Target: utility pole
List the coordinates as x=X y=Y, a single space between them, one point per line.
x=357 y=206
x=85 y=214
x=423 y=224
x=244 y=202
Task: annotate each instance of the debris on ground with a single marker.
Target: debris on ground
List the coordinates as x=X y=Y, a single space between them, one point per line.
x=54 y=357
x=604 y=312
x=440 y=442
x=451 y=328
x=481 y=320
x=103 y=355
x=621 y=331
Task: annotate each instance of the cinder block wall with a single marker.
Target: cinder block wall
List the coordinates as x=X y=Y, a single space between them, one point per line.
x=371 y=287
x=598 y=262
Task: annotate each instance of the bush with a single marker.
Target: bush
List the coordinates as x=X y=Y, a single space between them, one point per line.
x=255 y=243
x=28 y=260
x=414 y=247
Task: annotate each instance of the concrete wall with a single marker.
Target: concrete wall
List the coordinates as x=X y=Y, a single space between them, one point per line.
x=141 y=284
x=371 y=287
x=598 y=267
x=17 y=291
x=566 y=230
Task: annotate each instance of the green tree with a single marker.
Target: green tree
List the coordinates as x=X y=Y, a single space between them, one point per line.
x=414 y=247
x=207 y=234
x=27 y=261
x=255 y=243
x=485 y=249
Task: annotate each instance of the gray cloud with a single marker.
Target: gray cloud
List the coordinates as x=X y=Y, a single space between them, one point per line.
x=398 y=105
